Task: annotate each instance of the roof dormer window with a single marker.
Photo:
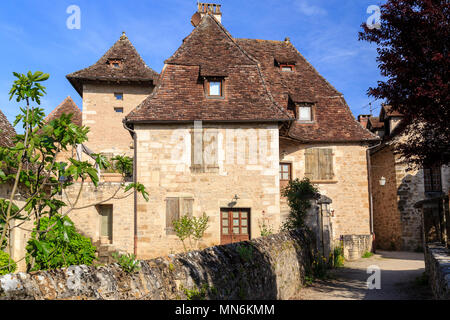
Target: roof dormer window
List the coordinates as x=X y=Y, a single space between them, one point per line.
x=115 y=63
x=305 y=112
x=214 y=87
x=286 y=68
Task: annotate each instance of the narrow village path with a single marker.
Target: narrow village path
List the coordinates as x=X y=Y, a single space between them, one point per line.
x=400 y=274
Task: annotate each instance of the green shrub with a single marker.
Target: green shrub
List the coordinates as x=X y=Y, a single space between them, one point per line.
x=61 y=246
x=367 y=254
x=7 y=265
x=246 y=253
x=127 y=262
x=338 y=257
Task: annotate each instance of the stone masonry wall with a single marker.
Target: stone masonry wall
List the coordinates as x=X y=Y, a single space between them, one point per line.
x=397 y=223
x=437 y=263
x=164 y=167
x=348 y=190
x=274 y=270
x=107 y=134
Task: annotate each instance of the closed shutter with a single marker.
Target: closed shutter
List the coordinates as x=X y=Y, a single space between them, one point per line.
x=311 y=164
x=319 y=164
x=172 y=213
x=106 y=224
x=326 y=164
x=186 y=207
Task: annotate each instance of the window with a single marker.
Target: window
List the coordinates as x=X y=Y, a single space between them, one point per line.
x=114 y=63
x=432 y=179
x=285 y=174
x=175 y=208
x=305 y=112
x=286 y=68
x=214 y=88
x=118 y=96
x=319 y=164
x=106 y=221
x=118 y=110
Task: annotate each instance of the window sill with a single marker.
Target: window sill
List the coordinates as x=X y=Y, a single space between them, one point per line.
x=215 y=97
x=306 y=121
x=324 y=181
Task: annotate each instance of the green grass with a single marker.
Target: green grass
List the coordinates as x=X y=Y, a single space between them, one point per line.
x=367 y=254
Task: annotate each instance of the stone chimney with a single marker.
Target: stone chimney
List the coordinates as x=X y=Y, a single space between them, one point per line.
x=204 y=8
x=363 y=119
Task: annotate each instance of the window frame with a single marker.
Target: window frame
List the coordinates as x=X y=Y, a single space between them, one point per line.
x=208 y=82
x=289 y=172
x=285 y=65
x=433 y=175
x=116 y=94
x=311 y=107
x=118 y=108
x=113 y=62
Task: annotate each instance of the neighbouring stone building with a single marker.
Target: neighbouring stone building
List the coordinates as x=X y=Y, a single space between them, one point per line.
x=396 y=190
x=224 y=127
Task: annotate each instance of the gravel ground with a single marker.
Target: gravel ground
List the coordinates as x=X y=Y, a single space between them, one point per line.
x=399 y=273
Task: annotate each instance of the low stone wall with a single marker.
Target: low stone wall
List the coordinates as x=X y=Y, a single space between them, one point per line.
x=274 y=269
x=437 y=264
x=356 y=245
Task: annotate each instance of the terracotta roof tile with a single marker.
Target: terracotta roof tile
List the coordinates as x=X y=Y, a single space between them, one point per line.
x=333 y=120
x=209 y=51
x=68 y=106
x=132 y=67
x=7 y=132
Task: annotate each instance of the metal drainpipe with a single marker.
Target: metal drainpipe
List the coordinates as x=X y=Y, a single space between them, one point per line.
x=133 y=134
x=369 y=173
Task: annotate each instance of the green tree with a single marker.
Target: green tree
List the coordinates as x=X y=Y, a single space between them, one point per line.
x=299 y=195
x=31 y=164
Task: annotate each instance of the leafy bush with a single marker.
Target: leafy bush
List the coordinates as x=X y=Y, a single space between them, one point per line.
x=191 y=227
x=338 y=257
x=367 y=254
x=7 y=265
x=61 y=246
x=299 y=195
x=127 y=262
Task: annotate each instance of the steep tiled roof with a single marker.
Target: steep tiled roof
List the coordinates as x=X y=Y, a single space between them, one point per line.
x=132 y=68
x=333 y=120
x=386 y=112
x=7 y=132
x=209 y=51
x=68 y=106
x=375 y=123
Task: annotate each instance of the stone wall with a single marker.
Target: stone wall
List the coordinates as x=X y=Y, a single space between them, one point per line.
x=397 y=224
x=356 y=245
x=437 y=263
x=247 y=166
x=107 y=134
x=348 y=190
x=274 y=270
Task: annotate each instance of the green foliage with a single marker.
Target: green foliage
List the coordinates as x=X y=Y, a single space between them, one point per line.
x=265 y=228
x=299 y=195
x=7 y=265
x=245 y=252
x=367 y=254
x=197 y=293
x=319 y=267
x=31 y=165
x=337 y=259
x=191 y=227
x=127 y=262
x=60 y=246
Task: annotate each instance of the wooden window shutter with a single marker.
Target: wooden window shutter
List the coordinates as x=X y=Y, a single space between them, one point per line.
x=326 y=164
x=187 y=207
x=172 y=213
x=311 y=164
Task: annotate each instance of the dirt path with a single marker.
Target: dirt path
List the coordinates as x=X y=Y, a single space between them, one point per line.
x=399 y=273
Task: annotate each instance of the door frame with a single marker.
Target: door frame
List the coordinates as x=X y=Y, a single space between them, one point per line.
x=230 y=224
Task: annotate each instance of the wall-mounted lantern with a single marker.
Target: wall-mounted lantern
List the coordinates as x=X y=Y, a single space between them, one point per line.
x=382 y=181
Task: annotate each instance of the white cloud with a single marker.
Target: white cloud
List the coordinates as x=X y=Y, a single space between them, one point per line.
x=308 y=9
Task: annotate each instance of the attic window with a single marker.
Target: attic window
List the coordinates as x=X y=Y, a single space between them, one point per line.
x=305 y=112
x=116 y=64
x=286 y=67
x=118 y=95
x=214 y=87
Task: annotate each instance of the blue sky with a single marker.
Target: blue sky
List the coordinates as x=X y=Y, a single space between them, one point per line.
x=34 y=36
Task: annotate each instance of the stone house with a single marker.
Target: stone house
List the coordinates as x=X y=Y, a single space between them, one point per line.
x=224 y=127
x=396 y=191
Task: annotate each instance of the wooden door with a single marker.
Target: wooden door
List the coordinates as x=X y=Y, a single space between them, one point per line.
x=234 y=225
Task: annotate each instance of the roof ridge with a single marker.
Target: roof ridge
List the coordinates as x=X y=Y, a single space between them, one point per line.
x=67 y=99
